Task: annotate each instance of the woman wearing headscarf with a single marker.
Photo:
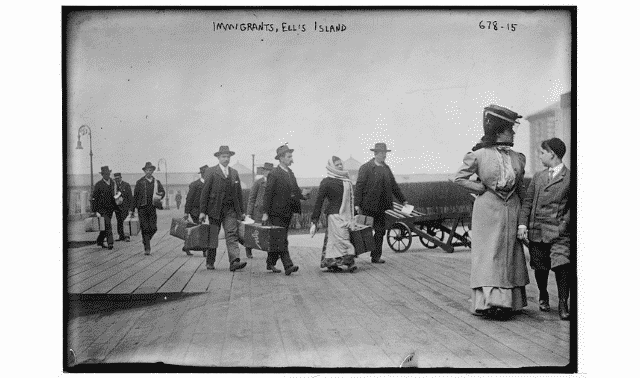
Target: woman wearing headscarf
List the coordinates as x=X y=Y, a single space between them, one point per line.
x=498 y=266
x=338 y=189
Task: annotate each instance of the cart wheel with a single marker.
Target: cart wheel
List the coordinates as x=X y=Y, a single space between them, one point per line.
x=467 y=235
x=433 y=231
x=399 y=237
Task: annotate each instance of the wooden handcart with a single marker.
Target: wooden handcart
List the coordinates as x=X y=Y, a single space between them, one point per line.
x=433 y=230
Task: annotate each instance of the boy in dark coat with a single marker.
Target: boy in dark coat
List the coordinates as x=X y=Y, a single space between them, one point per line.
x=544 y=219
x=147 y=195
x=104 y=204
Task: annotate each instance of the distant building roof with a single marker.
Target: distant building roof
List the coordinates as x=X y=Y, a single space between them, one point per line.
x=565 y=101
x=242 y=170
x=351 y=164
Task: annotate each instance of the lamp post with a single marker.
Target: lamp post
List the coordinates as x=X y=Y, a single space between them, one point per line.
x=166 y=179
x=84 y=130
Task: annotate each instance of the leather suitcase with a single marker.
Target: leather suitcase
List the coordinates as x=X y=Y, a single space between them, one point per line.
x=131 y=226
x=362 y=239
x=197 y=237
x=263 y=238
x=94 y=224
x=179 y=228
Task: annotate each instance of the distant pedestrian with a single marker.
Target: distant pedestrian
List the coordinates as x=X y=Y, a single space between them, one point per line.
x=104 y=205
x=178 y=199
x=147 y=196
x=374 y=193
x=255 y=207
x=123 y=202
x=192 y=204
x=498 y=266
x=544 y=219
x=281 y=200
x=221 y=201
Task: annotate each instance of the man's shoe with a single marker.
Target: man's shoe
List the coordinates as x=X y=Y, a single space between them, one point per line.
x=185 y=250
x=210 y=267
x=110 y=247
x=563 y=310
x=121 y=238
x=353 y=269
x=204 y=253
x=127 y=239
x=147 y=252
x=237 y=265
x=273 y=269
x=378 y=261
x=291 y=269
x=101 y=244
x=544 y=305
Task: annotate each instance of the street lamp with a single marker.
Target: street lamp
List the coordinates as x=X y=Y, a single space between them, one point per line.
x=166 y=179
x=84 y=130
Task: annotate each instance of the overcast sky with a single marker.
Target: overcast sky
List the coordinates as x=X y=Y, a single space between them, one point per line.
x=172 y=85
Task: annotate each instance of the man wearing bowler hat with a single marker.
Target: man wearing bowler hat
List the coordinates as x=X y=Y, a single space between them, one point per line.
x=281 y=200
x=147 y=195
x=375 y=189
x=123 y=202
x=255 y=207
x=192 y=205
x=104 y=204
x=221 y=200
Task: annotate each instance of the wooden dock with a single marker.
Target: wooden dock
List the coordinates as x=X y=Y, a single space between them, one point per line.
x=418 y=302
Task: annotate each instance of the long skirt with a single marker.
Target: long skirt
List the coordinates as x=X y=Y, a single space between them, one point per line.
x=337 y=248
x=498 y=266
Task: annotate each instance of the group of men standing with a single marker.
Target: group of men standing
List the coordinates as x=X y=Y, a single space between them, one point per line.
x=111 y=196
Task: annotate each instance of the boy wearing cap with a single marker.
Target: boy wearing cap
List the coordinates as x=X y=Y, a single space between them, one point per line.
x=148 y=194
x=221 y=200
x=374 y=193
x=281 y=200
x=122 y=209
x=104 y=204
x=255 y=207
x=543 y=220
x=192 y=204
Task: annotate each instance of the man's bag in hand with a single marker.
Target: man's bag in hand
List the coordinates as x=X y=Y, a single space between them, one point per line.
x=94 y=224
x=362 y=239
x=131 y=226
x=179 y=228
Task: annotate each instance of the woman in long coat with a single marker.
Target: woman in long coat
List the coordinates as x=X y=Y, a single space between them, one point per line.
x=498 y=266
x=338 y=189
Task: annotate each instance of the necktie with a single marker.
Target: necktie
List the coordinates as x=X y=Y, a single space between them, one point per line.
x=550 y=176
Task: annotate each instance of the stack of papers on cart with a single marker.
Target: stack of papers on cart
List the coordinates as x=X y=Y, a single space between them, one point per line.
x=407 y=209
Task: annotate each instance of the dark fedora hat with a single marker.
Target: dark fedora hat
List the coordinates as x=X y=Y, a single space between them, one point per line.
x=203 y=168
x=224 y=150
x=380 y=147
x=267 y=166
x=105 y=170
x=149 y=165
x=502 y=113
x=282 y=150
x=116 y=175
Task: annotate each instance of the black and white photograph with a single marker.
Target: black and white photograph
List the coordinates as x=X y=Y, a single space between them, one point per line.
x=330 y=189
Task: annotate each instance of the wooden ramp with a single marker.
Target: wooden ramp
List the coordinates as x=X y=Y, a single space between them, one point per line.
x=418 y=302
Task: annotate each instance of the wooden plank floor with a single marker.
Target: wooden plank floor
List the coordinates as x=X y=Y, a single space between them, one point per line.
x=418 y=302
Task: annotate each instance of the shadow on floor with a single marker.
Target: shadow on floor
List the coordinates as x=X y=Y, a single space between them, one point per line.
x=104 y=304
